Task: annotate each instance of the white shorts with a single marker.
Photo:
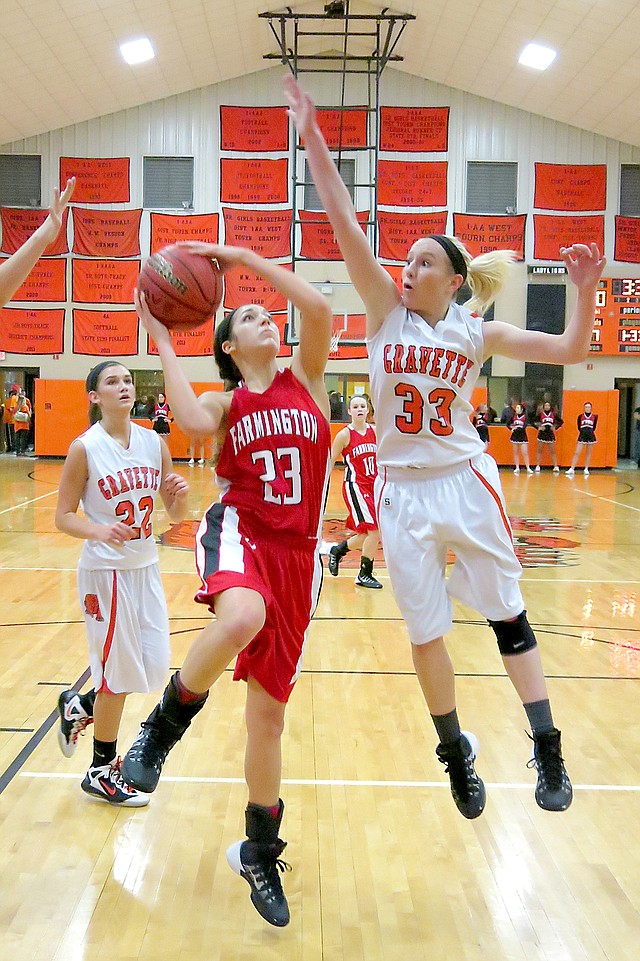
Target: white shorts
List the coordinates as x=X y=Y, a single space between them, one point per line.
x=422 y=513
x=125 y=615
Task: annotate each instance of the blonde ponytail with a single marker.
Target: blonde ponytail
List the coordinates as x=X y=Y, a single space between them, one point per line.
x=486 y=275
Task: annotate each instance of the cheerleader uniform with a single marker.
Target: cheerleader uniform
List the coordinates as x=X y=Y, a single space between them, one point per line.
x=587 y=428
x=518 y=428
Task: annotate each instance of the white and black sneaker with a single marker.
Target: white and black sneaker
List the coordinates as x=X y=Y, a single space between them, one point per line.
x=336 y=553
x=365 y=576
x=73 y=721
x=105 y=783
x=258 y=862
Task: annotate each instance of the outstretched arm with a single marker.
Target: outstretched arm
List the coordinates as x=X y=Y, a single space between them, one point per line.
x=15 y=270
x=374 y=285
x=584 y=267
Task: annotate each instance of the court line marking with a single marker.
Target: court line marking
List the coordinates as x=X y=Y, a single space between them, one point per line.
x=16 y=507
x=337 y=782
x=608 y=500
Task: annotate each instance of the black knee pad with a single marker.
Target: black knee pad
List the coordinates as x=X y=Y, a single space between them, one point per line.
x=514 y=637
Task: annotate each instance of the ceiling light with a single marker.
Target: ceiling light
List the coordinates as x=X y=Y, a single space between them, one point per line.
x=537 y=56
x=137 y=51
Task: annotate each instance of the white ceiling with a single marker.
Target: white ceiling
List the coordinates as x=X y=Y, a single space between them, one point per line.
x=60 y=63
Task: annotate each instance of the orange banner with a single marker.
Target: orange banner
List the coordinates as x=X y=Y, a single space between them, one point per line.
x=19 y=224
x=254 y=181
x=31 y=331
x=282 y=321
x=412 y=184
x=254 y=128
x=570 y=187
x=398 y=231
x=482 y=233
x=104 y=281
x=318 y=239
x=551 y=233
x=395 y=271
x=168 y=229
x=414 y=129
x=106 y=233
x=113 y=333
x=343 y=128
x=243 y=287
x=627 y=240
x=189 y=343
x=99 y=180
x=268 y=232
x=47 y=281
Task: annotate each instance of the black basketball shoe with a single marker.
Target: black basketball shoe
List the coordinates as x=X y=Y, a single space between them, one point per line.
x=258 y=862
x=553 y=790
x=336 y=553
x=74 y=719
x=365 y=576
x=466 y=787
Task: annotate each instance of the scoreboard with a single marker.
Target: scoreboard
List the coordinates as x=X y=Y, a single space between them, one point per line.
x=617 y=322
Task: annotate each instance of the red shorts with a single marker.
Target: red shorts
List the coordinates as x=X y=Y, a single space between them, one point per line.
x=360 y=502
x=286 y=574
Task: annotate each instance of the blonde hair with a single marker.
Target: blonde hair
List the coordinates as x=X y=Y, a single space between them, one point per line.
x=486 y=275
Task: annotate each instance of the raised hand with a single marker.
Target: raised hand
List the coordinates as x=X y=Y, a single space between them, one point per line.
x=150 y=323
x=584 y=264
x=53 y=223
x=301 y=107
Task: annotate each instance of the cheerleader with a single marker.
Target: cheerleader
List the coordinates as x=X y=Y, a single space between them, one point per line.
x=548 y=423
x=518 y=427
x=587 y=422
x=160 y=415
x=480 y=420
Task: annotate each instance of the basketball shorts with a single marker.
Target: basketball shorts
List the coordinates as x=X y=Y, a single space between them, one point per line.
x=285 y=570
x=127 y=624
x=360 y=503
x=422 y=513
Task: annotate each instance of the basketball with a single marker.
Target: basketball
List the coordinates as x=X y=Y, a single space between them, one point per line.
x=183 y=290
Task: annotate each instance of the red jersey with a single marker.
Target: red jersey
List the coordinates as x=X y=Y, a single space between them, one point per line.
x=359 y=458
x=275 y=460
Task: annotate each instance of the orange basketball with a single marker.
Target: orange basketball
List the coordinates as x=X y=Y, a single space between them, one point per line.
x=183 y=290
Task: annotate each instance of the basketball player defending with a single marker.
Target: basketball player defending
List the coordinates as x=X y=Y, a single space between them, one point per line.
x=257 y=549
x=356 y=444
x=436 y=486
x=116 y=469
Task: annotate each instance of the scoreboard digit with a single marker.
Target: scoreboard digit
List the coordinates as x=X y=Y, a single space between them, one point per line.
x=617 y=320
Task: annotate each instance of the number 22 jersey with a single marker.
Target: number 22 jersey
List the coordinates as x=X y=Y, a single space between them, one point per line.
x=422 y=379
x=275 y=459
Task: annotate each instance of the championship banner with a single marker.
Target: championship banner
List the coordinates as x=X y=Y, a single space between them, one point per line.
x=268 y=232
x=347 y=329
x=254 y=181
x=18 y=224
x=482 y=233
x=47 y=282
x=395 y=272
x=189 y=343
x=241 y=286
x=412 y=183
x=414 y=129
x=399 y=231
x=343 y=129
x=627 y=240
x=99 y=180
x=551 y=233
x=104 y=281
x=318 y=239
x=106 y=233
x=168 y=229
x=111 y=333
x=570 y=187
x=31 y=331
x=254 y=128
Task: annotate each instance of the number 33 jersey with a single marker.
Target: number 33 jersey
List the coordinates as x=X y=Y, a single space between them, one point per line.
x=422 y=379
x=122 y=485
x=275 y=459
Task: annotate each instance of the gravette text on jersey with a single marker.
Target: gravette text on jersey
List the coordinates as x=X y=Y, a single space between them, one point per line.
x=266 y=423
x=447 y=365
x=129 y=479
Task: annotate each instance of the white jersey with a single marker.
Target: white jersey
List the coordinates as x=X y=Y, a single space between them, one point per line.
x=422 y=379
x=122 y=486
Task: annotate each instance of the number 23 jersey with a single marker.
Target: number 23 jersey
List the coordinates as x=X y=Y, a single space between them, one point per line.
x=275 y=459
x=422 y=379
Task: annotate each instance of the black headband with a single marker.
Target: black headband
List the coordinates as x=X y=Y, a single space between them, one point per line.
x=93 y=376
x=452 y=252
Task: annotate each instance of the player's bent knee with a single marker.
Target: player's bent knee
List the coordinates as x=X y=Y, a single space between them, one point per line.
x=514 y=637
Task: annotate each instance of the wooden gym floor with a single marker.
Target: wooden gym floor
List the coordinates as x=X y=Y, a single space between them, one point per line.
x=384 y=867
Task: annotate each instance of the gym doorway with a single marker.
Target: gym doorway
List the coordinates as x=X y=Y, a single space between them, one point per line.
x=628 y=432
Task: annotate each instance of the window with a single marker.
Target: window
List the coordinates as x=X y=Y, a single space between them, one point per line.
x=630 y=190
x=347 y=172
x=168 y=182
x=20 y=180
x=492 y=188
